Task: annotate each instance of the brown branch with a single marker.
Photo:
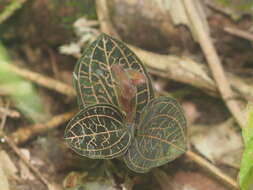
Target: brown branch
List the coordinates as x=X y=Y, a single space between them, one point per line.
x=162 y=177
x=3 y=119
x=240 y=33
x=214 y=62
x=43 y=80
x=23 y=134
x=181 y=69
x=212 y=169
x=188 y=71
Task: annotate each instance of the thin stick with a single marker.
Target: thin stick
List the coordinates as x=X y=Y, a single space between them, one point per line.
x=181 y=69
x=24 y=159
x=23 y=134
x=43 y=80
x=240 y=33
x=104 y=19
x=188 y=71
x=4 y=117
x=214 y=62
x=213 y=169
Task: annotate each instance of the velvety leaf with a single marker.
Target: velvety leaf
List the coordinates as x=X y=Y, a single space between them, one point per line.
x=93 y=76
x=98 y=132
x=160 y=136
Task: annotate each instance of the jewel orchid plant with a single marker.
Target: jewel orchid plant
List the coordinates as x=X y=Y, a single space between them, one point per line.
x=119 y=114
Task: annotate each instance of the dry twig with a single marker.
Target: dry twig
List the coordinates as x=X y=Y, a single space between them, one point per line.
x=240 y=33
x=23 y=134
x=214 y=62
x=104 y=20
x=188 y=71
x=44 y=81
x=213 y=169
x=3 y=119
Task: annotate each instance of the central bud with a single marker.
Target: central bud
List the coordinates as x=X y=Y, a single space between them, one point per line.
x=127 y=81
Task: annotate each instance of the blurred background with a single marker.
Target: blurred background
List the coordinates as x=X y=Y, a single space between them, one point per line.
x=40 y=43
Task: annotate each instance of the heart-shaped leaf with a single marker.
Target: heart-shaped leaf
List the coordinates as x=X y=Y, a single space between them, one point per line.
x=98 y=132
x=95 y=82
x=160 y=136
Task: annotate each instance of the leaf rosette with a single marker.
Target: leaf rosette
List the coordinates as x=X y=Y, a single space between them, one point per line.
x=119 y=115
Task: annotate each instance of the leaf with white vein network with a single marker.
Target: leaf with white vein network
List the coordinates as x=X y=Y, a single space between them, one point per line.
x=98 y=132
x=160 y=136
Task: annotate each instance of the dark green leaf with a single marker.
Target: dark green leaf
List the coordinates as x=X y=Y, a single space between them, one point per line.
x=98 y=132
x=160 y=136
x=93 y=77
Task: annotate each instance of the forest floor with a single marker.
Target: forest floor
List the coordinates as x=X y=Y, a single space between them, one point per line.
x=210 y=73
